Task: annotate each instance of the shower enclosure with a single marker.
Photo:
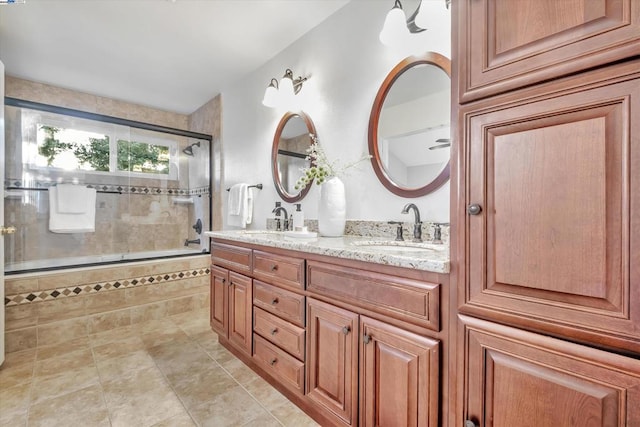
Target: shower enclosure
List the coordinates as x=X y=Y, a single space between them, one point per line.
x=153 y=187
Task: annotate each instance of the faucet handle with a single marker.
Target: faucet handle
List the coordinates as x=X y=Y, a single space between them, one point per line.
x=398 y=230
x=437 y=232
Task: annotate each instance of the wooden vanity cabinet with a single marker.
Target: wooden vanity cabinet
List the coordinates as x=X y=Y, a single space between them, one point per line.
x=351 y=343
x=505 y=44
x=231 y=297
x=545 y=213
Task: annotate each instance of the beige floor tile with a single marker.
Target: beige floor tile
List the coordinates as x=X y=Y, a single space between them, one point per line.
x=179 y=356
x=268 y=396
x=171 y=335
x=182 y=420
x=63 y=363
x=102 y=322
x=292 y=416
x=14 y=402
x=199 y=386
x=141 y=399
x=66 y=382
x=112 y=336
x=265 y=420
x=239 y=371
x=46 y=352
x=116 y=367
x=17 y=368
x=119 y=348
x=85 y=406
x=207 y=340
x=233 y=408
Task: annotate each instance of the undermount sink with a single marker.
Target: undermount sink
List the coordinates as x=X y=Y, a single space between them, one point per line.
x=394 y=246
x=260 y=232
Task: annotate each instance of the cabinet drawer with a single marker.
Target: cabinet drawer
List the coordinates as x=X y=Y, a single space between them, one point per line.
x=285 y=304
x=232 y=257
x=280 y=332
x=405 y=299
x=279 y=270
x=287 y=369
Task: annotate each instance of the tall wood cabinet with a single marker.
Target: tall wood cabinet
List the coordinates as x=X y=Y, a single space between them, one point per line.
x=546 y=212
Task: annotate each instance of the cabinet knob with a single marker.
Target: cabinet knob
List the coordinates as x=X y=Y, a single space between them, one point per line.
x=274 y=331
x=274 y=267
x=273 y=361
x=274 y=301
x=346 y=330
x=224 y=281
x=366 y=339
x=474 y=209
x=469 y=423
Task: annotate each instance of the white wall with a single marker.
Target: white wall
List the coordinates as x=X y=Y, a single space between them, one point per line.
x=345 y=63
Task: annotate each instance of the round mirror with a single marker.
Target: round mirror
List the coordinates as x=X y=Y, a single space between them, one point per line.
x=409 y=126
x=289 y=154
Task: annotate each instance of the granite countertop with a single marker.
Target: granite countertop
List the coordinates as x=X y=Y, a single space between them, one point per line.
x=420 y=256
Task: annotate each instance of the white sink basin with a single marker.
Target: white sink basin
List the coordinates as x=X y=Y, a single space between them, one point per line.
x=393 y=246
x=259 y=232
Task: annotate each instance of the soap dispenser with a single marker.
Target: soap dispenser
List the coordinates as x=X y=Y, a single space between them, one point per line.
x=298 y=217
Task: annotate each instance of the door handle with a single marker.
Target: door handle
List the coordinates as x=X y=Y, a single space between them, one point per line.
x=7 y=230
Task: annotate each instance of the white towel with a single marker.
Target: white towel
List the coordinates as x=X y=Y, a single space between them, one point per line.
x=72 y=199
x=65 y=222
x=240 y=206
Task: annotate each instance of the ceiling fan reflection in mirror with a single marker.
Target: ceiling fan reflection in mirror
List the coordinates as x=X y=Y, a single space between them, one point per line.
x=441 y=143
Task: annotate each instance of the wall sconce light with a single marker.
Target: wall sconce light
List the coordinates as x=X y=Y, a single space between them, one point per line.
x=283 y=93
x=397 y=29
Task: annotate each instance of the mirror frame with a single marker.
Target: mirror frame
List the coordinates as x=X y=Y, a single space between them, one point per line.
x=430 y=58
x=289 y=198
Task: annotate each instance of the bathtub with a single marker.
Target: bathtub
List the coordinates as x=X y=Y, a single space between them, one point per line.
x=83 y=261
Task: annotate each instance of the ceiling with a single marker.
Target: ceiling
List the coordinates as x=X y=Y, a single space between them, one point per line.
x=173 y=55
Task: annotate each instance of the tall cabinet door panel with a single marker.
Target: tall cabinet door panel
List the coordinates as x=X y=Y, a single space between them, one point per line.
x=518 y=378
x=219 y=300
x=506 y=44
x=240 y=311
x=399 y=377
x=553 y=191
x=332 y=360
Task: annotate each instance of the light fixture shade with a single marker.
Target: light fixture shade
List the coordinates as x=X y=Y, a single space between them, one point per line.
x=270 y=97
x=285 y=90
x=395 y=30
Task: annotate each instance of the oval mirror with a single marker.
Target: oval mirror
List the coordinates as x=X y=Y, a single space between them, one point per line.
x=289 y=154
x=409 y=126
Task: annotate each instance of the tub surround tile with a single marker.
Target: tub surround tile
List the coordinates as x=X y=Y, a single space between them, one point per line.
x=58 y=332
x=20 y=339
x=55 y=350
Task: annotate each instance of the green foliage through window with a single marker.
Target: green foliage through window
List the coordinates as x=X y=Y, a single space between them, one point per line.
x=92 y=151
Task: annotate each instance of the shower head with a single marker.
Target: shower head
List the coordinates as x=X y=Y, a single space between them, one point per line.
x=189 y=150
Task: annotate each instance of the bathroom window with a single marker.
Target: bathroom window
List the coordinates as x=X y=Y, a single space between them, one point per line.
x=67 y=143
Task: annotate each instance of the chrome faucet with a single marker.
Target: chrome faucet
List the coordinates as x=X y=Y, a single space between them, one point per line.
x=417 y=226
x=285 y=222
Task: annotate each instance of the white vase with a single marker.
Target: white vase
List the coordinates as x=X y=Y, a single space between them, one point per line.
x=332 y=210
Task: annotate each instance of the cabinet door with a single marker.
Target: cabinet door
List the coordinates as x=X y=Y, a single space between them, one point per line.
x=399 y=377
x=506 y=44
x=332 y=360
x=219 y=300
x=240 y=311
x=556 y=239
x=517 y=378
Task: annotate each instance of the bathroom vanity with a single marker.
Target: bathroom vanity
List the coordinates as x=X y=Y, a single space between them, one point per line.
x=353 y=331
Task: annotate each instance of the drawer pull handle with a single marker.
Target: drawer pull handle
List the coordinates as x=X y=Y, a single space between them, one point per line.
x=273 y=361
x=224 y=281
x=346 y=330
x=274 y=267
x=366 y=339
x=274 y=331
x=274 y=301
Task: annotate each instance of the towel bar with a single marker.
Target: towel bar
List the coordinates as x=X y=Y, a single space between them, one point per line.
x=258 y=186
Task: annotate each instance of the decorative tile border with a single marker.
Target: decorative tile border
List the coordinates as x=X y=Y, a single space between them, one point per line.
x=92 y=288
x=124 y=189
